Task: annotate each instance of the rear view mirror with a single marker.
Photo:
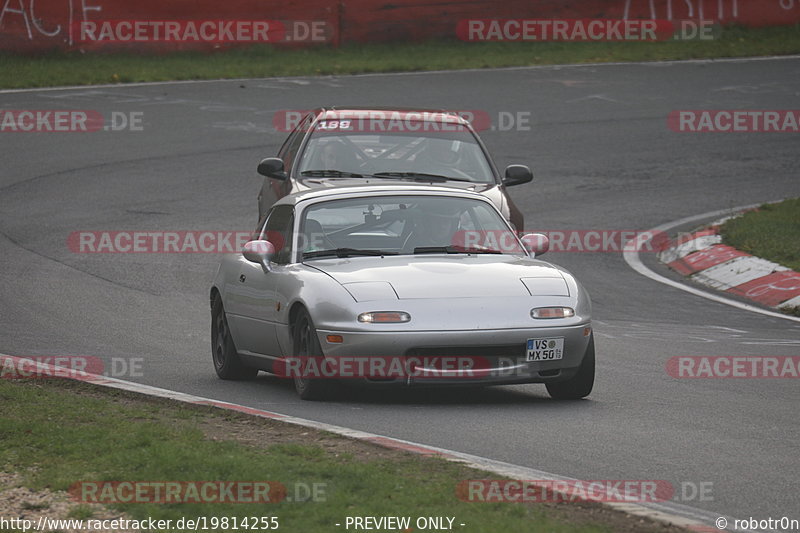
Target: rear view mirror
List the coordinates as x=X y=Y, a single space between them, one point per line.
x=260 y=252
x=272 y=167
x=517 y=175
x=536 y=243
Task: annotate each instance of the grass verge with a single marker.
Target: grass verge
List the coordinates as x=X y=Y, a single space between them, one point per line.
x=772 y=232
x=55 y=433
x=264 y=61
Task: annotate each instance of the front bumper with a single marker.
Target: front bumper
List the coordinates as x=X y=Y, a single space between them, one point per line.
x=485 y=357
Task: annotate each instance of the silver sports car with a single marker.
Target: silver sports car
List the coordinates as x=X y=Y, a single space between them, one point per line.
x=399 y=285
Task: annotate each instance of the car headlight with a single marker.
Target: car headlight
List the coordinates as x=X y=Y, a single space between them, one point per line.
x=384 y=317
x=552 y=312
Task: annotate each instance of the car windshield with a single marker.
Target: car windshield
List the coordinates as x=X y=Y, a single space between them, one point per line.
x=394 y=149
x=408 y=224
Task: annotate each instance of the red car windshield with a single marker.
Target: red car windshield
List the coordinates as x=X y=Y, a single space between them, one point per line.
x=395 y=148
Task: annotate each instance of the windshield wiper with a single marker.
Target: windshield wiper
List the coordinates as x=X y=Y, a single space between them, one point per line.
x=454 y=250
x=330 y=174
x=420 y=176
x=344 y=252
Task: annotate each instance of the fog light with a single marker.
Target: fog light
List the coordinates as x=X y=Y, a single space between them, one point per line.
x=552 y=312
x=384 y=317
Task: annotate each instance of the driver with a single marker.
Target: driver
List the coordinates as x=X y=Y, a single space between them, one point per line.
x=436 y=227
x=435 y=157
x=335 y=156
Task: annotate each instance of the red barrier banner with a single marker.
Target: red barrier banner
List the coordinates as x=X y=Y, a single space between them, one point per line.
x=43 y=25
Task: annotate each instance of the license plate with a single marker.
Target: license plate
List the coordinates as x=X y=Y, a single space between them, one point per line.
x=545 y=349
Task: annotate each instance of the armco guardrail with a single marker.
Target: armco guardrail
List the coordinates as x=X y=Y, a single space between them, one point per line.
x=32 y=26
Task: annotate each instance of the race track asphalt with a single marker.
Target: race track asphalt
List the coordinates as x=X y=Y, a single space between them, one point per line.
x=603 y=158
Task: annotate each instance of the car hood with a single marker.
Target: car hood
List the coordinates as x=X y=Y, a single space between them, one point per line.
x=440 y=276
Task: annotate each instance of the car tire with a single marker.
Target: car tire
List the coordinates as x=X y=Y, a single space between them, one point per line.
x=223 y=351
x=305 y=346
x=580 y=385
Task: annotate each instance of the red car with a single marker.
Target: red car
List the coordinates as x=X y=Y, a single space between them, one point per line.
x=353 y=146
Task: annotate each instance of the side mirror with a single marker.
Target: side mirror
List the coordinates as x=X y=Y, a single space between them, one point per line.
x=259 y=252
x=272 y=167
x=517 y=175
x=536 y=243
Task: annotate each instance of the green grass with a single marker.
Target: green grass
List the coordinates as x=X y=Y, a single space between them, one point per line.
x=54 y=69
x=55 y=434
x=772 y=232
